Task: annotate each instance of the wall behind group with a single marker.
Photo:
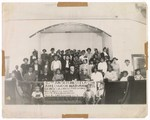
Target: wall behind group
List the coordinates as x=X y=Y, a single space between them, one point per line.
x=128 y=37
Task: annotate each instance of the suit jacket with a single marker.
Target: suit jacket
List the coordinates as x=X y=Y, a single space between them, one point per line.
x=31 y=77
x=17 y=75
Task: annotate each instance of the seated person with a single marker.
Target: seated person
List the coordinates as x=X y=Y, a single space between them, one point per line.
x=84 y=76
x=56 y=64
x=71 y=75
x=37 y=96
x=125 y=76
x=110 y=74
x=96 y=75
x=46 y=75
x=88 y=96
x=138 y=75
x=58 y=76
x=84 y=66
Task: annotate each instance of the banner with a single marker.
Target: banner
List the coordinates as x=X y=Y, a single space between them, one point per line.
x=67 y=88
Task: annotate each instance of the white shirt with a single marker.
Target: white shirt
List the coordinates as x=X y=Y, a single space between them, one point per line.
x=128 y=68
x=55 y=65
x=37 y=94
x=102 y=66
x=97 y=76
x=124 y=78
x=36 y=67
x=67 y=63
x=111 y=75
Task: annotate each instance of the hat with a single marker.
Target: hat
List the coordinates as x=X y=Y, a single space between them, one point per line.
x=25 y=59
x=44 y=50
x=114 y=58
x=127 y=60
x=88 y=49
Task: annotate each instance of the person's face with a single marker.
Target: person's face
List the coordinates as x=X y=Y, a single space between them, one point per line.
x=52 y=50
x=55 y=58
x=95 y=70
x=88 y=87
x=96 y=51
x=125 y=74
x=127 y=63
x=16 y=67
x=30 y=69
x=102 y=60
x=37 y=89
x=67 y=57
x=105 y=50
x=138 y=72
x=72 y=68
x=89 y=51
x=85 y=71
x=26 y=61
x=83 y=52
x=114 y=61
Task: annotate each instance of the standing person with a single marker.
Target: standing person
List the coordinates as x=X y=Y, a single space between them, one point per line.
x=56 y=64
x=116 y=66
x=37 y=96
x=96 y=76
x=33 y=57
x=37 y=68
x=88 y=96
x=27 y=86
x=71 y=75
x=51 y=55
x=102 y=66
x=58 y=76
x=89 y=54
x=44 y=56
x=66 y=64
x=17 y=73
x=105 y=54
x=127 y=67
x=82 y=57
x=111 y=75
x=76 y=63
x=138 y=75
x=24 y=66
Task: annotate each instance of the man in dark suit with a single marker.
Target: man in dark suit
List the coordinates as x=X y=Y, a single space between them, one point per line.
x=44 y=56
x=71 y=75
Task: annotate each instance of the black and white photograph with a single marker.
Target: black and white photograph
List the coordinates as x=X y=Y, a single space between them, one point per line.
x=83 y=54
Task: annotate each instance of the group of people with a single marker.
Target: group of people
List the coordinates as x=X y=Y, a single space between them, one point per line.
x=73 y=65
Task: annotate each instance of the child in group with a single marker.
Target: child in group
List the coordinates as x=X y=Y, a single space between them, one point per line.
x=37 y=96
x=58 y=76
x=88 y=95
x=138 y=75
x=125 y=76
